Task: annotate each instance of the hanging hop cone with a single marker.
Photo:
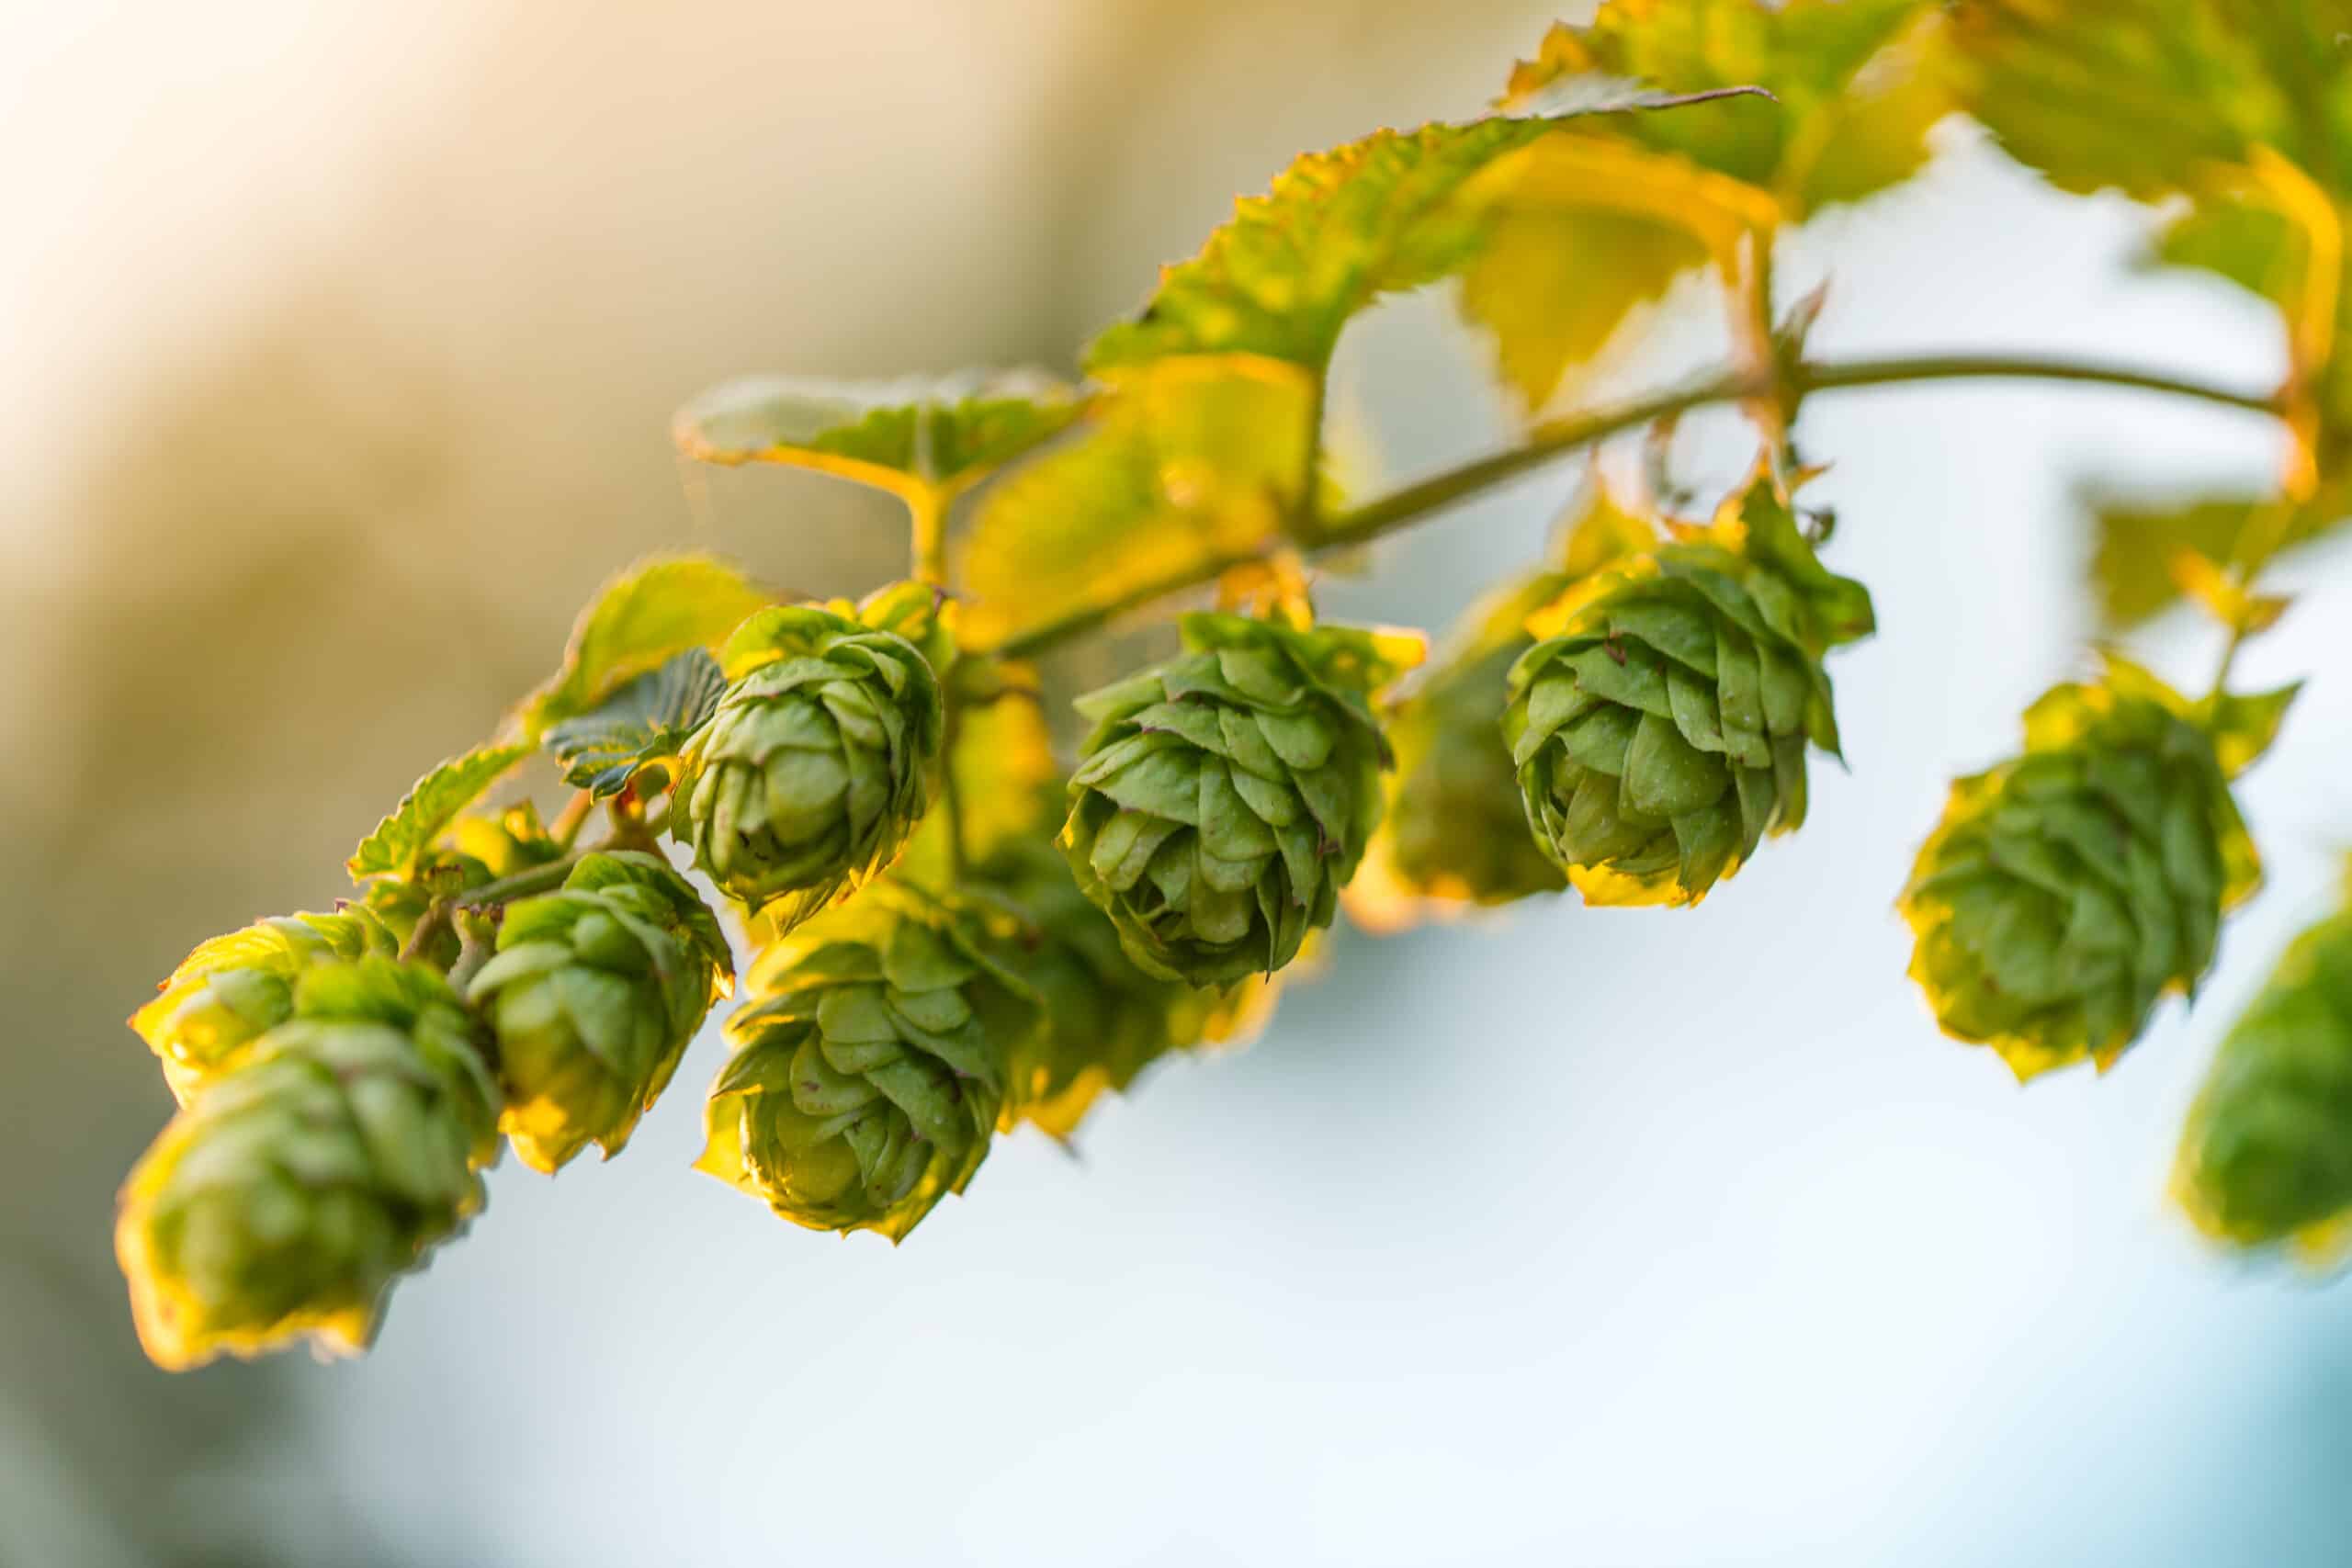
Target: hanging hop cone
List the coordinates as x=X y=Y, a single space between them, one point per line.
x=595 y=994
x=869 y=1067
x=817 y=761
x=1659 y=728
x=234 y=988
x=2265 y=1158
x=2068 y=890
x=1224 y=797
x=296 y=1186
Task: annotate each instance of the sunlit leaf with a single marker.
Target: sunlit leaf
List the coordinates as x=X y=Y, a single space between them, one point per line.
x=1848 y=100
x=912 y=437
x=2138 y=543
x=1188 y=464
x=639 y=620
x=643 y=720
x=2244 y=725
x=2148 y=96
x=431 y=805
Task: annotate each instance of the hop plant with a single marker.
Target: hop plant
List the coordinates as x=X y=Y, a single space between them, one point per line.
x=1659 y=728
x=297 y=1185
x=234 y=988
x=2068 y=890
x=2265 y=1159
x=1225 y=796
x=595 y=994
x=818 y=761
x=869 y=1069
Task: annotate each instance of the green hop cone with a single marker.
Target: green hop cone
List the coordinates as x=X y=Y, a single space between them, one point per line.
x=1227 y=795
x=595 y=994
x=2066 y=890
x=2265 y=1159
x=295 y=1186
x=817 y=761
x=1659 y=728
x=869 y=1075
x=234 y=988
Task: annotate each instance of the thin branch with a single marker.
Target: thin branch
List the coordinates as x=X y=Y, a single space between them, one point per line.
x=1554 y=438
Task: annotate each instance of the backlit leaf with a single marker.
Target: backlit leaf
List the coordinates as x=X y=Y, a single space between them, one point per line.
x=431 y=805
x=2138 y=542
x=2149 y=96
x=639 y=620
x=643 y=720
x=2244 y=725
x=1187 y=464
x=1848 y=103
x=918 y=438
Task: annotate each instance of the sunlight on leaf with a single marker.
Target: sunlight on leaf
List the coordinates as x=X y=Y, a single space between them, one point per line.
x=639 y=621
x=431 y=804
x=1849 y=100
x=920 y=439
x=2138 y=542
x=1187 y=464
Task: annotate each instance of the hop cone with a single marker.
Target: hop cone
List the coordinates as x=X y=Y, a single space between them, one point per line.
x=1455 y=831
x=234 y=988
x=869 y=1067
x=1660 y=730
x=595 y=994
x=296 y=1186
x=2266 y=1155
x=1226 y=796
x=816 y=762
x=2068 y=890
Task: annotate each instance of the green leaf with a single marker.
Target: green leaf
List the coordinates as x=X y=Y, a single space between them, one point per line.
x=2138 y=543
x=639 y=620
x=642 y=721
x=922 y=439
x=2243 y=726
x=2150 y=95
x=431 y=805
x=1847 y=102
x=1188 y=465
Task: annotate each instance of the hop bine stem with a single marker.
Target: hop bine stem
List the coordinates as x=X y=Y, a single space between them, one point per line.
x=1554 y=438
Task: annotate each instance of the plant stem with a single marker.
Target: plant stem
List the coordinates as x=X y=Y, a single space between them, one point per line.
x=521 y=884
x=1554 y=438
x=927 y=517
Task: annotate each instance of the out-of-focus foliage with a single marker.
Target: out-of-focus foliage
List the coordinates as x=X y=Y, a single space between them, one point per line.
x=2265 y=1159
x=2238 y=115
x=924 y=441
x=296 y=1187
x=2068 y=890
x=1193 y=463
x=1455 y=831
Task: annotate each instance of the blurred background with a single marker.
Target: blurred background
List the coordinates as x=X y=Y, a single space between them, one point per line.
x=341 y=342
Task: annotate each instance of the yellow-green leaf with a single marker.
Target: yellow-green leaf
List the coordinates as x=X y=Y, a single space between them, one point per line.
x=431 y=805
x=922 y=439
x=2134 y=565
x=1185 y=466
x=2150 y=95
x=1850 y=98
x=640 y=619
x=2242 y=724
